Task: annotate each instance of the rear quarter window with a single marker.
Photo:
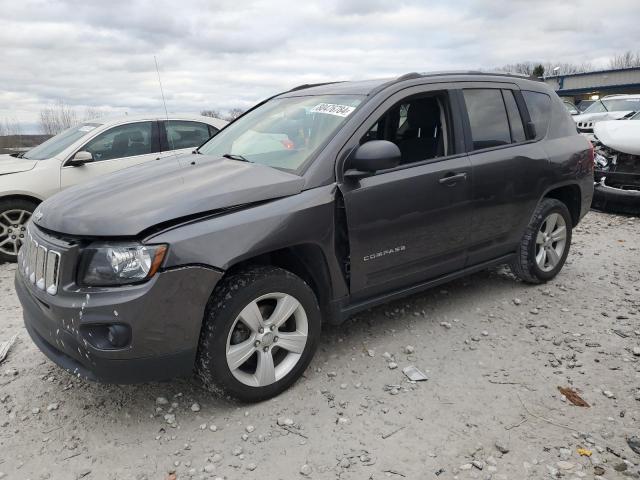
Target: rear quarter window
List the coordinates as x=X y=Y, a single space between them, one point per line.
x=539 y=106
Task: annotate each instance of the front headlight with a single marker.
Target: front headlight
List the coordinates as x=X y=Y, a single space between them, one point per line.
x=119 y=264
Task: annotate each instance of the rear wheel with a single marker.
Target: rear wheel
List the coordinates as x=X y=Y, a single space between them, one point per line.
x=260 y=332
x=14 y=215
x=545 y=244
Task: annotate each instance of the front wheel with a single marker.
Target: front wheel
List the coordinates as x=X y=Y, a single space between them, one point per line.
x=545 y=244
x=14 y=214
x=261 y=329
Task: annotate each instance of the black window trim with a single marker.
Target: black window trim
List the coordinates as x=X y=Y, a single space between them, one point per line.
x=524 y=128
x=155 y=141
x=523 y=108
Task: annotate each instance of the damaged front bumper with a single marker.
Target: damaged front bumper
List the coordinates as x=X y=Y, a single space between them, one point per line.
x=617 y=180
x=121 y=335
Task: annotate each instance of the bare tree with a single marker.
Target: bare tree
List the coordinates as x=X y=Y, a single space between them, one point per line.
x=57 y=117
x=214 y=113
x=234 y=113
x=92 y=113
x=532 y=68
x=11 y=131
x=627 y=59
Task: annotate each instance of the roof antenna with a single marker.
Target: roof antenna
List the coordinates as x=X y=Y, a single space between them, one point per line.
x=166 y=113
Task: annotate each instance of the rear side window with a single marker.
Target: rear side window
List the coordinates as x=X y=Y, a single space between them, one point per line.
x=539 y=106
x=185 y=134
x=515 y=120
x=487 y=118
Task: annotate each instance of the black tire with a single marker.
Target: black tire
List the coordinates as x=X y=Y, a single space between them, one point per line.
x=616 y=200
x=229 y=298
x=524 y=265
x=8 y=205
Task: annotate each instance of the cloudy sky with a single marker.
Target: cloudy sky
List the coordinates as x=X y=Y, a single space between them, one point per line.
x=222 y=54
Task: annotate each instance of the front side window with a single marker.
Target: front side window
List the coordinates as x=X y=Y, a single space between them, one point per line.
x=417 y=125
x=284 y=132
x=487 y=118
x=185 y=134
x=57 y=144
x=122 y=141
x=539 y=106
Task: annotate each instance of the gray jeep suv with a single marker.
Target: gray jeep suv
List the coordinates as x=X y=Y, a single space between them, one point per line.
x=317 y=203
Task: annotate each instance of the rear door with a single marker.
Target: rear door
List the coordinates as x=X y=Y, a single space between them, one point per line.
x=119 y=147
x=183 y=136
x=508 y=168
x=410 y=223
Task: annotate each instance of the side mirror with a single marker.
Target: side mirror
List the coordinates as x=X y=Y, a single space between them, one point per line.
x=573 y=111
x=372 y=156
x=80 y=158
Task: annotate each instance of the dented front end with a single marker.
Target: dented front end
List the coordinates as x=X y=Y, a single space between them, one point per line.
x=123 y=334
x=616 y=169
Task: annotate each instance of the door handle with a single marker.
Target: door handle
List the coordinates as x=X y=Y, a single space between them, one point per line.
x=451 y=179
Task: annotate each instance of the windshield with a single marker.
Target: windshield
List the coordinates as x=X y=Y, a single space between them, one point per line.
x=284 y=132
x=56 y=144
x=636 y=116
x=615 y=105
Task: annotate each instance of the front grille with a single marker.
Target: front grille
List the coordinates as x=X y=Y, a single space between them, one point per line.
x=40 y=265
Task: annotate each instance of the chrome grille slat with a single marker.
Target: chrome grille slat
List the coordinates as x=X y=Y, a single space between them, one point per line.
x=40 y=265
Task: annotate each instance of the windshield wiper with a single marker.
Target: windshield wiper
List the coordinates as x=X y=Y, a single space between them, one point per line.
x=232 y=156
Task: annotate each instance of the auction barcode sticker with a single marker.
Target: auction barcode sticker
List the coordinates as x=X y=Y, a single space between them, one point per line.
x=333 y=109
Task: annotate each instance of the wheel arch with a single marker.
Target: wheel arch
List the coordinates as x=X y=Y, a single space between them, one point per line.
x=20 y=196
x=571 y=195
x=307 y=261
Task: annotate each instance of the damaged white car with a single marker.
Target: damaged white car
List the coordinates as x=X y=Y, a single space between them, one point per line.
x=611 y=107
x=617 y=169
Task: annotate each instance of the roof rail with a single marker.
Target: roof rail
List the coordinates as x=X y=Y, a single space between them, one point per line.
x=310 y=85
x=408 y=76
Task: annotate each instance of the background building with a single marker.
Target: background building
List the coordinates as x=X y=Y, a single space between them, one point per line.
x=586 y=86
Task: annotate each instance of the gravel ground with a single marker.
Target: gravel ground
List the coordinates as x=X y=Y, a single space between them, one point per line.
x=495 y=351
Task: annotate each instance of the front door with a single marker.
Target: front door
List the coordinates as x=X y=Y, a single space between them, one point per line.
x=115 y=149
x=411 y=223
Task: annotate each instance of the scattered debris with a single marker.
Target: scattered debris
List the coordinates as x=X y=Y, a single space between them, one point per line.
x=502 y=446
x=5 y=346
x=393 y=432
x=634 y=444
x=583 y=452
x=573 y=397
x=414 y=374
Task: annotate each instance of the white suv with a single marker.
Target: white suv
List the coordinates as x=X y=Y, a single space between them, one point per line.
x=83 y=152
x=611 y=107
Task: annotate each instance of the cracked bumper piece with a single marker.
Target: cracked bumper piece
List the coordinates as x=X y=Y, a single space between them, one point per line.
x=162 y=317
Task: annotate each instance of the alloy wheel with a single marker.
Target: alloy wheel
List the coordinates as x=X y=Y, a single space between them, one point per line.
x=267 y=339
x=13 y=230
x=551 y=242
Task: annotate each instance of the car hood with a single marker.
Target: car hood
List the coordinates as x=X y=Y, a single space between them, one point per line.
x=10 y=164
x=128 y=202
x=620 y=135
x=598 y=117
